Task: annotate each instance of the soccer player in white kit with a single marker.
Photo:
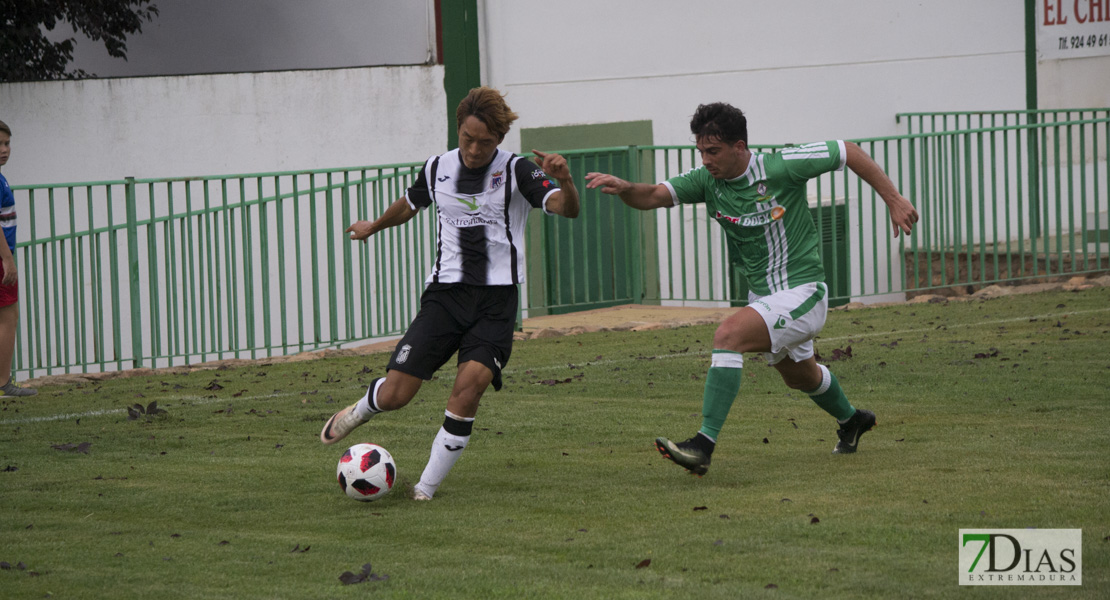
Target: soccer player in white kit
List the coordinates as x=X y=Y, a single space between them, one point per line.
x=482 y=196
x=760 y=202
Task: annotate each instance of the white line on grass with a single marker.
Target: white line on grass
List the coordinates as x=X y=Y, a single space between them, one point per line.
x=200 y=400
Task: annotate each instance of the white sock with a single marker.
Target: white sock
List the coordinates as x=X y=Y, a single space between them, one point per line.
x=368 y=405
x=446 y=449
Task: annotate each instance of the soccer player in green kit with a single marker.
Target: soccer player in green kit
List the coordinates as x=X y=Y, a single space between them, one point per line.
x=760 y=202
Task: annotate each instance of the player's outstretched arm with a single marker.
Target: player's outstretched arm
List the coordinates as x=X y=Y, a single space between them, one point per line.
x=565 y=201
x=641 y=196
x=398 y=213
x=902 y=213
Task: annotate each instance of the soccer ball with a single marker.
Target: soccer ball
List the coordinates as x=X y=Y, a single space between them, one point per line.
x=366 y=472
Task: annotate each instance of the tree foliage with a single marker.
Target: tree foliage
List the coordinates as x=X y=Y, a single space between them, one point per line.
x=26 y=54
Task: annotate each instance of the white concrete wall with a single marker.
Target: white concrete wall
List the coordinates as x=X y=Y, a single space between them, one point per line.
x=803 y=71
x=264 y=35
x=100 y=129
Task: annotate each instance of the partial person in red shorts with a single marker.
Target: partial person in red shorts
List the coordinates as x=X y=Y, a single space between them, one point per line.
x=9 y=277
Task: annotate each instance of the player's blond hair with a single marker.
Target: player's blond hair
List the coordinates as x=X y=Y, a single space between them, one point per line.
x=488 y=105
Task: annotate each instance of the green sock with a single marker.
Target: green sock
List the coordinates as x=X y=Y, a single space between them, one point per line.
x=831 y=398
x=722 y=384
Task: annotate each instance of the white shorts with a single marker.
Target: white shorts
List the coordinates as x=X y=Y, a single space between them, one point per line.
x=794 y=317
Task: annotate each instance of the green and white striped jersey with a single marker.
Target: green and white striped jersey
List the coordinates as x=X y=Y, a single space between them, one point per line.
x=765 y=214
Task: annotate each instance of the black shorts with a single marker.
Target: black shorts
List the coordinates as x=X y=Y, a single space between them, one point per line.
x=477 y=321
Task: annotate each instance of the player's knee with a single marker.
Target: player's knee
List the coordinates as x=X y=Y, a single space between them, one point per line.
x=728 y=337
x=800 y=378
x=464 y=402
x=392 y=395
x=795 y=382
x=471 y=391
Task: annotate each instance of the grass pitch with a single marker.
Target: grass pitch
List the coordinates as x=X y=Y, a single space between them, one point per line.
x=992 y=414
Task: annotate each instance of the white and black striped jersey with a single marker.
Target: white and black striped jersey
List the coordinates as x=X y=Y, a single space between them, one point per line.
x=480 y=215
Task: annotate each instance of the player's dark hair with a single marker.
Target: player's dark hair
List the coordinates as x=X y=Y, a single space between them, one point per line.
x=721 y=121
x=4 y=128
x=489 y=106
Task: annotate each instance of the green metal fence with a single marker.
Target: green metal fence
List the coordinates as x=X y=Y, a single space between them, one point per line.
x=579 y=264
x=160 y=272
x=1012 y=194
x=992 y=210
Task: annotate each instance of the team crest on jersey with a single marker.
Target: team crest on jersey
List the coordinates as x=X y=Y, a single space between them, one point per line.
x=496 y=180
x=403 y=355
x=761 y=189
